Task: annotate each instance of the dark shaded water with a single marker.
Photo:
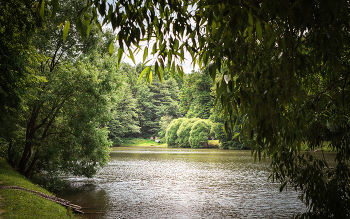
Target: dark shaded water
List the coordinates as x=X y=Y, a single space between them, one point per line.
x=182 y=183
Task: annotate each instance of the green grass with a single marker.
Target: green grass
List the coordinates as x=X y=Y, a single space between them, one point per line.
x=138 y=142
x=325 y=147
x=22 y=204
x=214 y=143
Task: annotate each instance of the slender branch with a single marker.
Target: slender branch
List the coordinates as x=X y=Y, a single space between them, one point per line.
x=335 y=83
x=53 y=63
x=44 y=135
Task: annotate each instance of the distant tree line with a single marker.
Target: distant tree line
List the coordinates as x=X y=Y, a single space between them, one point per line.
x=184 y=107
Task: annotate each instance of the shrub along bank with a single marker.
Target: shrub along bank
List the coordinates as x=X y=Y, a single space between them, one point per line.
x=23 y=204
x=196 y=132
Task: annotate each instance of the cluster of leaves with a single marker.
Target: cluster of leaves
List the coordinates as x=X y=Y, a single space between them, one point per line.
x=146 y=109
x=232 y=139
x=124 y=122
x=287 y=73
x=196 y=100
x=60 y=125
x=199 y=134
x=184 y=132
x=18 y=23
x=164 y=123
x=287 y=70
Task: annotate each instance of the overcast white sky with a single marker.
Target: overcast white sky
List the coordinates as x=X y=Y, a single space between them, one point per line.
x=187 y=66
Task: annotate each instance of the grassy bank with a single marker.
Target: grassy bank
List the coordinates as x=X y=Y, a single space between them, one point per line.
x=324 y=147
x=134 y=142
x=214 y=143
x=138 y=142
x=23 y=204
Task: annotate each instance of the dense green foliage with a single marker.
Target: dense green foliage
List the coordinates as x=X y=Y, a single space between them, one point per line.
x=287 y=73
x=196 y=100
x=140 y=112
x=164 y=123
x=18 y=22
x=124 y=122
x=171 y=132
x=155 y=101
x=199 y=134
x=60 y=123
x=185 y=132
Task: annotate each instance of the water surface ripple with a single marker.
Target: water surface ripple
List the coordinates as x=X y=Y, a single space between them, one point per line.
x=182 y=183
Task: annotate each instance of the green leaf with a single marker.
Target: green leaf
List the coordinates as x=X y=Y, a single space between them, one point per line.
x=156 y=66
x=182 y=53
x=154 y=50
x=258 y=30
x=205 y=58
x=150 y=77
x=212 y=71
x=176 y=45
x=161 y=63
x=274 y=36
x=180 y=72
x=218 y=64
x=173 y=69
x=42 y=9
x=86 y=19
x=79 y=27
x=225 y=127
x=147 y=69
x=235 y=135
x=60 y=26
x=132 y=56
x=88 y=30
x=54 y=10
x=160 y=75
x=119 y=56
x=111 y=48
x=145 y=53
x=158 y=72
x=65 y=30
x=250 y=24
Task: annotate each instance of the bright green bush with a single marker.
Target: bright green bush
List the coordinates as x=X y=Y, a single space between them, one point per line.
x=171 y=132
x=183 y=133
x=199 y=134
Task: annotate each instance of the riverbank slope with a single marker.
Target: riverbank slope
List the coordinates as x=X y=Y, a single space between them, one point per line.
x=138 y=142
x=23 y=204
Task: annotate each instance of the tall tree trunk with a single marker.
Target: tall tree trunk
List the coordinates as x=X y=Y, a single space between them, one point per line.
x=28 y=143
x=29 y=169
x=25 y=157
x=9 y=153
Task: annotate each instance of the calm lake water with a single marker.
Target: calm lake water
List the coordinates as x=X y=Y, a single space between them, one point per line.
x=182 y=183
